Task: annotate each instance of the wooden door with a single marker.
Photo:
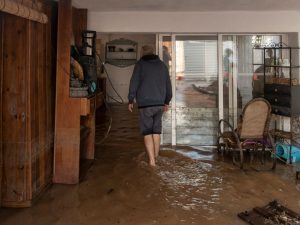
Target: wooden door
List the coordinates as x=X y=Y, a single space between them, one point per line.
x=14 y=112
x=1 y=76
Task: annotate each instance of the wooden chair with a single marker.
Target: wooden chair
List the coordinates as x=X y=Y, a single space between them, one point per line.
x=252 y=133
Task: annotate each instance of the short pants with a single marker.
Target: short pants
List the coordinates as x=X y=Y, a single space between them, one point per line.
x=150 y=119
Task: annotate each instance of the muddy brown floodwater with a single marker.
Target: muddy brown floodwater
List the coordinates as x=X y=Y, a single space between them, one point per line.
x=189 y=186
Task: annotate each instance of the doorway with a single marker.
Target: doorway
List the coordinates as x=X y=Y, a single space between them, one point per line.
x=193 y=64
x=212 y=79
x=242 y=72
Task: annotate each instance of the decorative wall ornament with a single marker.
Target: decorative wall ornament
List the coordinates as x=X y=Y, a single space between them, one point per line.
x=20 y=10
x=121 y=52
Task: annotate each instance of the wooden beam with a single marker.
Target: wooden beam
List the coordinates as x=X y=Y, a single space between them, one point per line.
x=89 y=121
x=1 y=104
x=67 y=112
x=79 y=24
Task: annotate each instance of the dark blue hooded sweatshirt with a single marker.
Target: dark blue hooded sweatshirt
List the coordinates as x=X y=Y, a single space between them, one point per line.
x=150 y=83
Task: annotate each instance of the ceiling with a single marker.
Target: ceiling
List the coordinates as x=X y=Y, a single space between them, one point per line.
x=187 y=5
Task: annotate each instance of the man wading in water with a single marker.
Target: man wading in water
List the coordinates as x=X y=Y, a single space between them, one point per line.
x=150 y=85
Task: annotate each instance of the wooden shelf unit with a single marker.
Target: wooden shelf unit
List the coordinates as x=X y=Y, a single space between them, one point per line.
x=281 y=72
x=71 y=143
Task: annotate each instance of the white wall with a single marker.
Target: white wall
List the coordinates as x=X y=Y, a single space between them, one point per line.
x=120 y=77
x=208 y=22
x=190 y=22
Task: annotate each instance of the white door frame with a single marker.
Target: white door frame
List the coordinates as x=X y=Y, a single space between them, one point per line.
x=232 y=80
x=159 y=48
x=159 y=44
x=233 y=101
x=220 y=78
x=233 y=85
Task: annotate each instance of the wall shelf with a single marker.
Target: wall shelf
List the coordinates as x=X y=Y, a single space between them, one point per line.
x=121 y=52
x=281 y=88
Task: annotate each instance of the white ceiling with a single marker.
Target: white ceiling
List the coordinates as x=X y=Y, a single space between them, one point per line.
x=187 y=5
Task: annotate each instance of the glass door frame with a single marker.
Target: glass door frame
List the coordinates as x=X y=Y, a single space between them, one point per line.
x=233 y=86
x=159 y=49
x=159 y=45
x=232 y=95
x=233 y=92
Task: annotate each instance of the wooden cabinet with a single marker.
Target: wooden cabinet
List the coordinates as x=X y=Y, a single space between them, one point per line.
x=27 y=84
x=283 y=98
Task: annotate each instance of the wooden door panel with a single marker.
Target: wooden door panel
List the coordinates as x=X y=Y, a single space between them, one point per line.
x=14 y=114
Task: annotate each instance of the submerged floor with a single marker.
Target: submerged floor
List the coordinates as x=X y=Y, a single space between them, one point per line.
x=189 y=186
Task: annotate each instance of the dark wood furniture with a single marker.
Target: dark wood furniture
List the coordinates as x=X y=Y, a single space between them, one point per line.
x=281 y=79
x=27 y=100
x=75 y=117
x=282 y=90
x=252 y=134
x=283 y=98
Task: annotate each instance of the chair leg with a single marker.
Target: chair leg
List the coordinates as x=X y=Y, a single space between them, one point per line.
x=241 y=156
x=251 y=156
x=221 y=148
x=274 y=159
x=218 y=145
x=238 y=157
x=263 y=157
x=234 y=157
x=273 y=152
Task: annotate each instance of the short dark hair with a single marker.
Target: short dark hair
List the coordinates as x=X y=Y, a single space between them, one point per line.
x=147 y=50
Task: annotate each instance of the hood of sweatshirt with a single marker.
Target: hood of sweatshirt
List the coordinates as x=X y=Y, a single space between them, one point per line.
x=149 y=57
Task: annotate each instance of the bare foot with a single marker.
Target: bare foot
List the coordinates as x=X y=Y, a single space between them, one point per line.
x=152 y=163
x=154 y=167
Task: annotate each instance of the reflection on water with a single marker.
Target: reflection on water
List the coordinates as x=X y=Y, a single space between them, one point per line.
x=196 y=115
x=189 y=186
x=197 y=152
x=186 y=181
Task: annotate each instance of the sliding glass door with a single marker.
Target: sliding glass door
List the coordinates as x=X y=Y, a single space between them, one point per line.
x=193 y=64
x=213 y=77
x=165 y=49
x=242 y=74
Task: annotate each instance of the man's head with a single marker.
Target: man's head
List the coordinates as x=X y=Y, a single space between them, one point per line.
x=147 y=50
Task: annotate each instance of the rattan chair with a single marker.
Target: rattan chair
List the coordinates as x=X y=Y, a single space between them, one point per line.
x=252 y=134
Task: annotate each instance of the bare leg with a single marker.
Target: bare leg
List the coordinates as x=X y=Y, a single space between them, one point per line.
x=156 y=139
x=149 y=144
